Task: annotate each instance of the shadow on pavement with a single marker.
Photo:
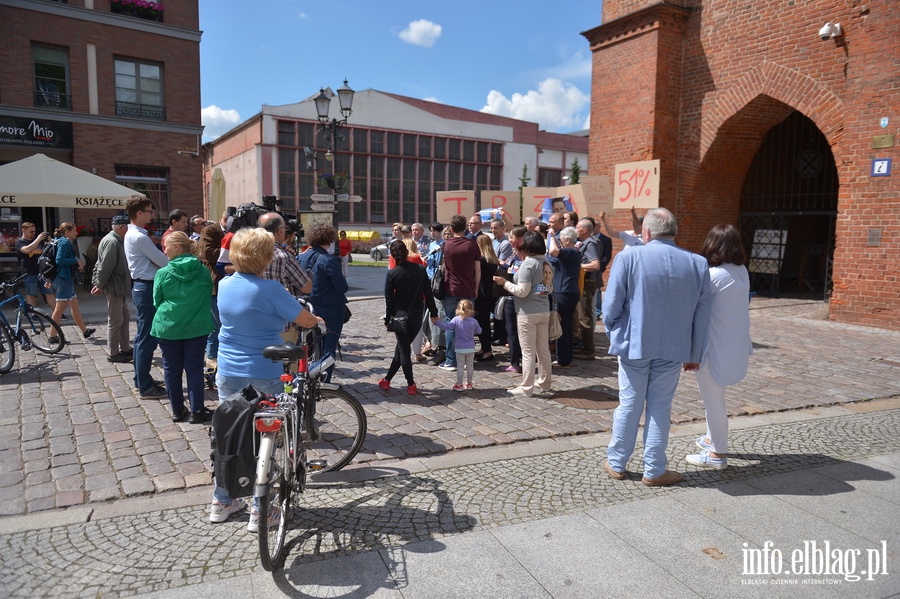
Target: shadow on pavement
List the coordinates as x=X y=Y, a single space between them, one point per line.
x=397 y=512
x=791 y=471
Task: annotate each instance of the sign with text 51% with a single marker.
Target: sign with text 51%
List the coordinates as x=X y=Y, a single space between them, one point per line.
x=637 y=185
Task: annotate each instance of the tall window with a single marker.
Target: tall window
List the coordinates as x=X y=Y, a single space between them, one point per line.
x=150 y=181
x=139 y=89
x=549 y=177
x=51 y=77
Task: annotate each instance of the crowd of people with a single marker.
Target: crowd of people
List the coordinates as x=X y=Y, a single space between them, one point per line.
x=210 y=297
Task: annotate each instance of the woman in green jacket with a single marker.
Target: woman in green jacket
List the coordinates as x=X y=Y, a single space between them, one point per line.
x=183 y=321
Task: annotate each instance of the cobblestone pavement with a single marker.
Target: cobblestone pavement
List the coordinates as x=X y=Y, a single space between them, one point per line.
x=74 y=432
x=127 y=555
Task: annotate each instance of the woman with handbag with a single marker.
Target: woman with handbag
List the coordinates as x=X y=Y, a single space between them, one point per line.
x=407 y=291
x=329 y=292
x=532 y=304
x=566 y=260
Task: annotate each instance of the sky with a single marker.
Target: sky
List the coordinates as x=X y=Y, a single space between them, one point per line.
x=522 y=59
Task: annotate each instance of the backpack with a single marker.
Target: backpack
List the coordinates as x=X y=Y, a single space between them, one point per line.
x=231 y=440
x=47 y=261
x=247 y=215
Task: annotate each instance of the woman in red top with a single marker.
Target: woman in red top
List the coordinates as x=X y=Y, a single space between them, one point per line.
x=414 y=255
x=344 y=247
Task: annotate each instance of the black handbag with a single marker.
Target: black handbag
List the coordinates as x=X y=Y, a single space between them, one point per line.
x=398 y=323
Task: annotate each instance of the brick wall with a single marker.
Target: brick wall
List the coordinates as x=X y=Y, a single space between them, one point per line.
x=720 y=80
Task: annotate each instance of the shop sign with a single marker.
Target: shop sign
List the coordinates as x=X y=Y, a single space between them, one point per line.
x=35 y=133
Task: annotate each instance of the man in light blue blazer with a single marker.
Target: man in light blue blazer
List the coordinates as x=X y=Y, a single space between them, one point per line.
x=656 y=312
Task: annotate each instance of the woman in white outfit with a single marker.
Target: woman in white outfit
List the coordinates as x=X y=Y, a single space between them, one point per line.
x=728 y=349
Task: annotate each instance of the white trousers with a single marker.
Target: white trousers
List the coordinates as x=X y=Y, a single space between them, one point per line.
x=713 y=395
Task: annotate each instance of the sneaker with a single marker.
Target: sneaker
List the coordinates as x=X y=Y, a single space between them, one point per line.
x=204 y=415
x=155 y=392
x=220 y=512
x=469 y=386
x=384 y=384
x=437 y=359
x=703 y=444
x=448 y=367
x=53 y=340
x=412 y=390
x=253 y=524
x=558 y=365
x=517 y=391
x=119 y=359
x=88 y=332
x=458 y=388
x=704 y=460
x=666 y=479
x=512 y=369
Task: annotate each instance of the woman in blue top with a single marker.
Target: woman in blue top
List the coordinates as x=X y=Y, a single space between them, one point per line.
x=64 y=283
x=566 y=261
x=253 y=312
x=330 y=287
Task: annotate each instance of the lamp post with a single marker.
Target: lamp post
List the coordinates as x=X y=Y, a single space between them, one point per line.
x=332 y=126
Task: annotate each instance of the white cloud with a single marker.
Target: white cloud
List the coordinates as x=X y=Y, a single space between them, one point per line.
x=421 y=33
x=432 y=99
x=217 y=121
x=555 y=106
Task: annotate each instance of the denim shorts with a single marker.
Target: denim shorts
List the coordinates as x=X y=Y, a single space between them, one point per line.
x=32 y=285
x=65 y=289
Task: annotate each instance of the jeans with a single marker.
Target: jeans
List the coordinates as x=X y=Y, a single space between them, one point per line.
x=212 y=342
x=402 y=349
x=184 y=355
x=512 y=333
x=229 y=385
x=334 y=320
x=144 y=343
x=651 y=382
x=565 y=306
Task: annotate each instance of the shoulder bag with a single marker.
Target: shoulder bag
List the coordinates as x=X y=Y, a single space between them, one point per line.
x=399 y=321
x=438 y=286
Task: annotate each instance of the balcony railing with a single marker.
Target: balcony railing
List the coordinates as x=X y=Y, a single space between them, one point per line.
x=53 y=100
x=140 y=110
x=149 y=11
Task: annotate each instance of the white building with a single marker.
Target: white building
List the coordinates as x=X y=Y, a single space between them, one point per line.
x=397 y=152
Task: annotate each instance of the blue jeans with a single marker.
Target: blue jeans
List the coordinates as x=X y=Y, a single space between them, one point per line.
x=229 y=385
x=450 y=303
x=212 y=342
x=650 y=382
x=144 y=343
x=334 y=320
x=184 y=355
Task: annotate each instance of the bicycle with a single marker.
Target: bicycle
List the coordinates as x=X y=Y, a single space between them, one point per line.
x=33 y=328
x=313 y=426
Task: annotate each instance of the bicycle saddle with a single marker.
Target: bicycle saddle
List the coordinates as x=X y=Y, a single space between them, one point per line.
x=286 y=351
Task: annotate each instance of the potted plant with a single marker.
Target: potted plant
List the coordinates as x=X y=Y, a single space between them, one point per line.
x=85 y=238
x=143 y=9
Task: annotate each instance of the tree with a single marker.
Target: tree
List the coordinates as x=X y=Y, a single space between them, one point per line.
x=523 y=183
x=575 y=172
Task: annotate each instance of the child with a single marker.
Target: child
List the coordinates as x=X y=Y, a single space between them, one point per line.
x=466 y=327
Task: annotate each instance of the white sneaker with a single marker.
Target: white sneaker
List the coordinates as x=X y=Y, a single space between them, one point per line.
x=518 y=391
x=704 y=460
x=220 y=512
x=703 y=444
x=253 y=524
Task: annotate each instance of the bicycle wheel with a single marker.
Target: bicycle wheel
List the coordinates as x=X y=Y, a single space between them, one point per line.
x=274 y=505
x=7 y=350
x=341 y=424
x=44 y=333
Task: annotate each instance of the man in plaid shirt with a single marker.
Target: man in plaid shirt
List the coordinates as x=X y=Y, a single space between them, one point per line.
x=284 y=267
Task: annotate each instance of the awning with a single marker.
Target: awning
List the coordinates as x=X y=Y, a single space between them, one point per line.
x=41 y=181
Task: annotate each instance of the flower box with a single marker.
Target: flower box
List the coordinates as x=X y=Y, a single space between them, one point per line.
x=142 y=9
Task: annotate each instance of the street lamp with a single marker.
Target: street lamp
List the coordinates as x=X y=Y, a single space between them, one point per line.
x=332 y=126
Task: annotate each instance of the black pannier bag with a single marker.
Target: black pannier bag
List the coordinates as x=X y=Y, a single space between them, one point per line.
x=231 y=439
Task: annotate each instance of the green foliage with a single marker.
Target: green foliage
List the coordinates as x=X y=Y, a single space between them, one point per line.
x=575 y=172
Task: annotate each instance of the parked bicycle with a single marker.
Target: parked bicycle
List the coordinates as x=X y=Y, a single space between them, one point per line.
x=33 y=329
x=312 y=426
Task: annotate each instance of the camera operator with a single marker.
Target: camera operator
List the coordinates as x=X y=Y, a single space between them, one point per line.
x=28 y=250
